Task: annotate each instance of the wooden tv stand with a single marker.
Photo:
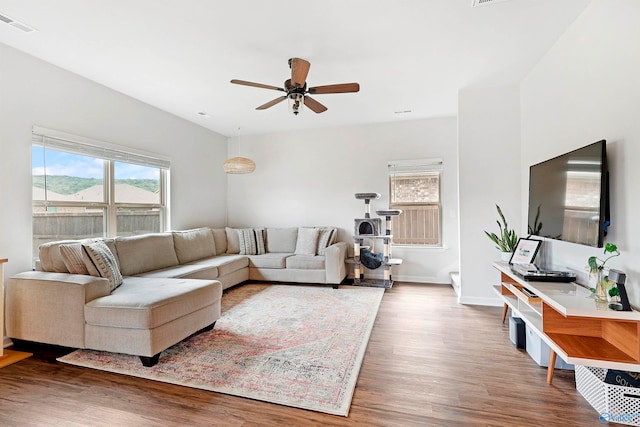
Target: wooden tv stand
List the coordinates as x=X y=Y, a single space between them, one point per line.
x=574 y=326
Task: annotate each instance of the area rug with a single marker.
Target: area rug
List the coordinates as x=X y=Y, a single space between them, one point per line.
x=300 y=346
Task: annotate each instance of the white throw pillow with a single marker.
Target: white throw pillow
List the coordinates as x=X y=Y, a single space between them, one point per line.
x=307 y=241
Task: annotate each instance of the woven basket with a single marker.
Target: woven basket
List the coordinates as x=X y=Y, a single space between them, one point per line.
x=615 y=403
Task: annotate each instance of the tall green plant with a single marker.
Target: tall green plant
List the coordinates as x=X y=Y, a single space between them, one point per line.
x=507 y=239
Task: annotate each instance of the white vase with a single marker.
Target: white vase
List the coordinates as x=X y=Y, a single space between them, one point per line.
x=506 y=256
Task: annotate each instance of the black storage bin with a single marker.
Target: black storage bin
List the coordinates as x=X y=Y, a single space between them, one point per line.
x=517 y=332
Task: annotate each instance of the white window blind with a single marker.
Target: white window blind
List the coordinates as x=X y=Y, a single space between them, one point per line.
x=80 y=145
x=416 y=165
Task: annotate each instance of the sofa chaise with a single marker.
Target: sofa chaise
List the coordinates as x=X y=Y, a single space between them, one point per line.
x=142 y=294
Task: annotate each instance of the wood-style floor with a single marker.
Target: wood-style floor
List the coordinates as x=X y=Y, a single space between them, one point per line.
x=430 y=362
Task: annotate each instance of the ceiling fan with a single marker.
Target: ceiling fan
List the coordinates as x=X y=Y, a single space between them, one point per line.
x=296 y=89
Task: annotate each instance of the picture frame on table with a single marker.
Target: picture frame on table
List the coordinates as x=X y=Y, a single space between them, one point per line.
x=525 y=251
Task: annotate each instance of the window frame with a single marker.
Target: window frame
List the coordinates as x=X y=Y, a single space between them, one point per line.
x=416 y=167
x=110 y=154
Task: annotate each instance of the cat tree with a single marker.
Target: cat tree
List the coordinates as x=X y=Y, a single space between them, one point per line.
x=368 y=228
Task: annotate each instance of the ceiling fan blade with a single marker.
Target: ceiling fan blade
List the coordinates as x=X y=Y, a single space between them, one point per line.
x=314 y=105
x=299 y=71
x=272 y=103
x=245 y=83
x=337 y=88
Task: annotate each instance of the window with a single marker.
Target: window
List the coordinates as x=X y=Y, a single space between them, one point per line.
x=84 y=188
x=414 y=187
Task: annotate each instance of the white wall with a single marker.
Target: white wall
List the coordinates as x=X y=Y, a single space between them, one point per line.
x=33 y=92
x=310 y=178
x=585 y=89
x=489 y=168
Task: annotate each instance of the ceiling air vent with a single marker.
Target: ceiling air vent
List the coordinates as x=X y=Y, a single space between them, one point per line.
x=16 y=24
x=477 y=3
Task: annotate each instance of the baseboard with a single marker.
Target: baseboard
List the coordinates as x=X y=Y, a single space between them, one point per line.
x=6 y=342
x=493 y=302
x=411 y=279
x=422 y=279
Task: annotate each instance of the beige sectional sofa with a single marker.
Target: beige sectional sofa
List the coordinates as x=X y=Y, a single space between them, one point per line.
x=144 y=293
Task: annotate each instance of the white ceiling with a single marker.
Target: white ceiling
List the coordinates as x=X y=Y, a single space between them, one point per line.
x=179 y=55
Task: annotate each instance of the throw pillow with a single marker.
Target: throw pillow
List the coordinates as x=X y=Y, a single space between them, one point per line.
x=101 y=259
x=233 y=241
x=326 y=238
x=72 y=258
x=251 y=241
x=307 y=241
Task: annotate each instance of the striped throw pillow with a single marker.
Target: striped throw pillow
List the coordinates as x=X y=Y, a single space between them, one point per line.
x=326 y=238
x=98 y=258
x=251 y=241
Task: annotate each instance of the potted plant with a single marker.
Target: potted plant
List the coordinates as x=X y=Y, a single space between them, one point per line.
x=506 y=240
x=596 y=266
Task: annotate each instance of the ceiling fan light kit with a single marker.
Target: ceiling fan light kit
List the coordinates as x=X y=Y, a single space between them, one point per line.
x=296 y=89
x=239 y=165
x=296 y=101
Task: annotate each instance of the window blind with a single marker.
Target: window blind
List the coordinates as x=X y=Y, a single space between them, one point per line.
x=415 y=165
x=79 y=145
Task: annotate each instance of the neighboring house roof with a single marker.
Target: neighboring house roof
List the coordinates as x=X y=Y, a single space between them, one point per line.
x=125 y=193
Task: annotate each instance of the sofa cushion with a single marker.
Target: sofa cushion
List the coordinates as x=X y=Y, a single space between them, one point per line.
x=225 y=263
x=326 y=238
x=147 y=252
x=185 y=271
x=142 y=303
x=51 y=258
x=305 y=262
x=233 y=241
x=307 y=242
x=282 y=240
x=72 y=257
x=220 y=237
x=98 y=258
x=269 y=260
x=251 y=241
x=191 y=245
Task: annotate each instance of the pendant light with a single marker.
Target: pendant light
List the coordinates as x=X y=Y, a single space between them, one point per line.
x=239 y=165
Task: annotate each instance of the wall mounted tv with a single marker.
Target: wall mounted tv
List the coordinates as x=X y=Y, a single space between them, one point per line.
x=569 y=196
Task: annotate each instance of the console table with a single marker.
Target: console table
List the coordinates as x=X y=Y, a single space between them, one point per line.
x=7 y=357
x=575 y=326
x=2 y=262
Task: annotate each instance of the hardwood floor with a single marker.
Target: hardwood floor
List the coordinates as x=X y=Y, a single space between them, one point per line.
x=430 y=362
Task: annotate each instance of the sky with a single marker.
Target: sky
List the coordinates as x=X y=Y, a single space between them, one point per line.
x=62 y=163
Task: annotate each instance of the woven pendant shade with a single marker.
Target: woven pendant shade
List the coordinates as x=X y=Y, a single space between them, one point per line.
x=239 y=165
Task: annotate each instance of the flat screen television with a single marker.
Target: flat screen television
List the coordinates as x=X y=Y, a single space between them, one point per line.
x=569 y=196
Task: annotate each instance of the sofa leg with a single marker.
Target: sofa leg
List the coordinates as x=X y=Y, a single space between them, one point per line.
x=335 y=286
x=149 y=361
x=208 y=328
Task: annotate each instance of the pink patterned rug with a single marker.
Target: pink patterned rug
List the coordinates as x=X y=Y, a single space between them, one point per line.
x=299 y=346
